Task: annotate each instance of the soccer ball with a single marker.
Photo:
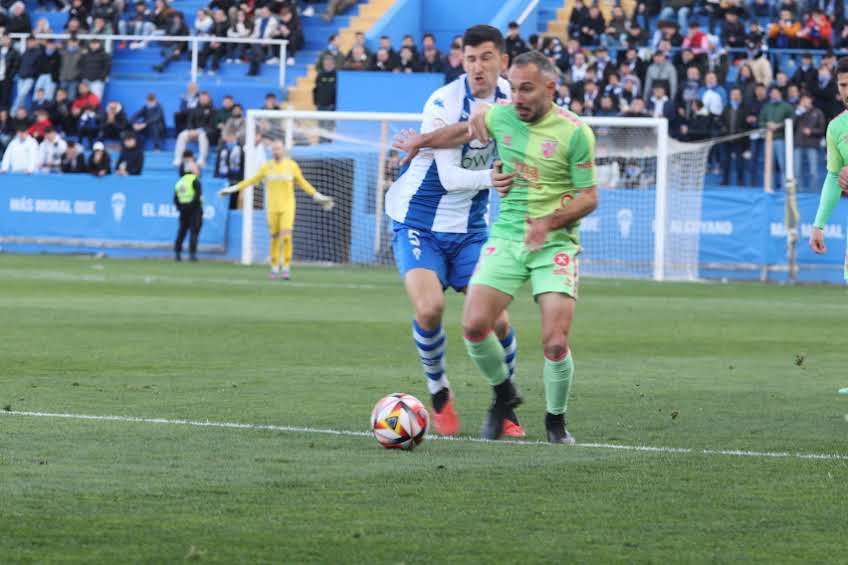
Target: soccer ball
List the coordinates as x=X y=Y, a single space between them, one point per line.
x=399 y=421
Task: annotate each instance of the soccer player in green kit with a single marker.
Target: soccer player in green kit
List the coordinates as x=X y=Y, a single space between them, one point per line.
x=836 y=181
x=536 y=236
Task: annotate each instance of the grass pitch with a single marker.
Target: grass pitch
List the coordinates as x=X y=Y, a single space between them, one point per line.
x=698 y=366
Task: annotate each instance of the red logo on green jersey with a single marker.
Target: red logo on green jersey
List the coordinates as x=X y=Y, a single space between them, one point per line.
x=528 y=173
x=562 y=259
x=507 y=140
x=491 y=249
x=549 y=148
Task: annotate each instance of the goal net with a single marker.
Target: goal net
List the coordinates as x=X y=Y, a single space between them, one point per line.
x=647 y=225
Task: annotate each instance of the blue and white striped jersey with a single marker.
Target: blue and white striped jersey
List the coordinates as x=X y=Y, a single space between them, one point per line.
x=446 y=190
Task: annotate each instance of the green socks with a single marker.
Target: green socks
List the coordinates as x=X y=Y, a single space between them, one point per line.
x=558 y=376
x=488 y=355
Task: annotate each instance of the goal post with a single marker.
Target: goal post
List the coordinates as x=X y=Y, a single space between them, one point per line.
x=650 y=188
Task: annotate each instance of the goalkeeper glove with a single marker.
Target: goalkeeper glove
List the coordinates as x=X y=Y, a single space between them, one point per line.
x=324 y=202
x=227 y=190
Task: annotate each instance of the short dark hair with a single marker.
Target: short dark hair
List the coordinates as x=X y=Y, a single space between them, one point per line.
x=479 y=34
x=539 y=60
x=842 y=66
x=512 y=25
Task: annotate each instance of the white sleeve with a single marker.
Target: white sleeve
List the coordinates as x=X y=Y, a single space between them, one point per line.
x=438 y=112
x=454 y=177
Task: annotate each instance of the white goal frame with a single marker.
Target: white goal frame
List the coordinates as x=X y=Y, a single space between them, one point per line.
x=288 y=117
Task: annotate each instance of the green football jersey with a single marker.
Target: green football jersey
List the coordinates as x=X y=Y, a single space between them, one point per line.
x=837 y=143
x=554 y=159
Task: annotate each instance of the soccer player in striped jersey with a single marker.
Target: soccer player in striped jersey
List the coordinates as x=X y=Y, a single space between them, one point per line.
x=536 y=236
x=439 y=207
x=837 y=159
x=280 y=174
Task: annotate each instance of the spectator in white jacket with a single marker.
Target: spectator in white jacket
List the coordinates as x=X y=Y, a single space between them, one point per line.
x=265 y=26
x=50 y=152
x=21 y=154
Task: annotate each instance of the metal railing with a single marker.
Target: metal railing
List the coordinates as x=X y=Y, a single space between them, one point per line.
x=197 y=42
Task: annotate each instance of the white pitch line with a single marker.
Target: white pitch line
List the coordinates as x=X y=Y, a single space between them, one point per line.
x=351 y=433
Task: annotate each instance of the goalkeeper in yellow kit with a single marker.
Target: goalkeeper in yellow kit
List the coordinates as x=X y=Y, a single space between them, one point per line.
x=279 y=175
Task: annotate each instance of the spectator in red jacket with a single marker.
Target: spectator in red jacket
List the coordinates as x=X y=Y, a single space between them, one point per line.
x=42 y=123
x=85 y=98
x=817 y=31
x=696 y=40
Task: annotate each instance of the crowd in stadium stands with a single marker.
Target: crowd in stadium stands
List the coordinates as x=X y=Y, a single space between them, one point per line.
x=660 y=62
x=58 y=108
x=710 y=66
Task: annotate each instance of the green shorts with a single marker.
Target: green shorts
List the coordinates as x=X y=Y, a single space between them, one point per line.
x=506 y=265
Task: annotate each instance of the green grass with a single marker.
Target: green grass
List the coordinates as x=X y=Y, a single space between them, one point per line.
x=743 y=367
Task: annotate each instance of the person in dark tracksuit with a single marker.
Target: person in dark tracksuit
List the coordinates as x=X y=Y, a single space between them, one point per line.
x=187 y=198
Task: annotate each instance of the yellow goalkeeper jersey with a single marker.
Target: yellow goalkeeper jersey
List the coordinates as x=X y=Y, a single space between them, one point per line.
x=279 y=180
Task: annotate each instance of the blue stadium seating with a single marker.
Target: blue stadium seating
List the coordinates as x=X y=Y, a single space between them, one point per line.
x=133 y=75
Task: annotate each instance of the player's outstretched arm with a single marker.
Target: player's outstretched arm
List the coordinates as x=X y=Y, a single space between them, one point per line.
x=325 y=202
x=255 y=179
x=538 y=229
x=411 y=142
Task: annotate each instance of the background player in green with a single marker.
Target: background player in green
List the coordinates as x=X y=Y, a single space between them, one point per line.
x=535 y=237
x=836 y=181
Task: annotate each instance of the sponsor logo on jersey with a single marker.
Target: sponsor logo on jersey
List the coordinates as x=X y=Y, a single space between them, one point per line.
x=549 y=147
x=439 y=103
x=490 y=250
x=528 y=173
x=588 y=165
x=507 y=140
x=565 y=198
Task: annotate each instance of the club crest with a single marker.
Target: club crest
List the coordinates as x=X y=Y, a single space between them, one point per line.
x=549 y=148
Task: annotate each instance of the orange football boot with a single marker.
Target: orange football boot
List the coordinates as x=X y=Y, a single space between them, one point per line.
x=512 y=429
x=446 y=422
